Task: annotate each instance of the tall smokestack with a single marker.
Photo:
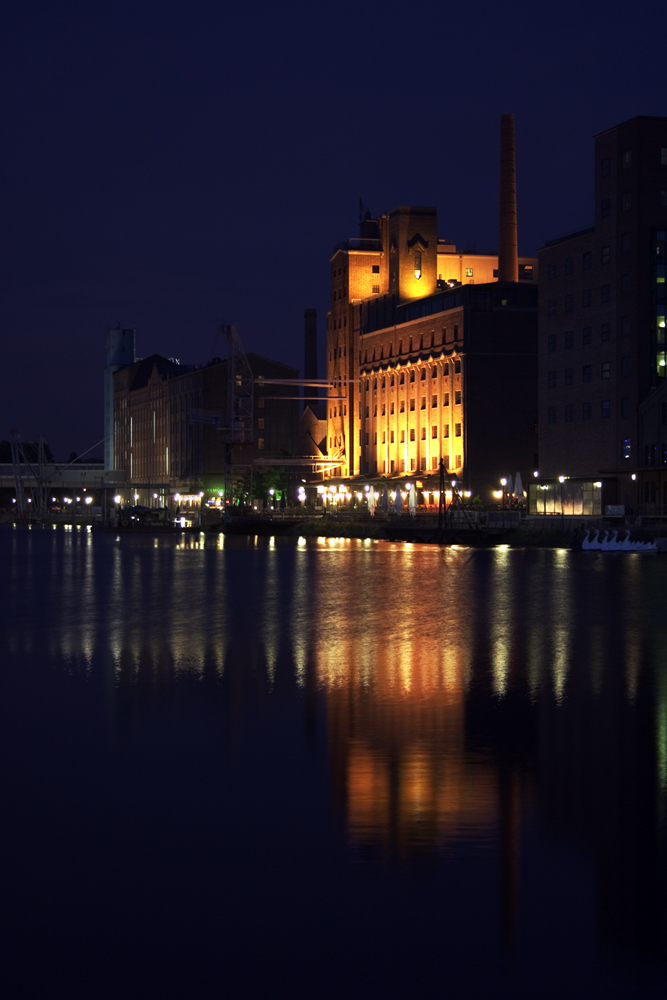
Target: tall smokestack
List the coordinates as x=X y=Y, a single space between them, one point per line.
x=310 y=355
x=508 y=249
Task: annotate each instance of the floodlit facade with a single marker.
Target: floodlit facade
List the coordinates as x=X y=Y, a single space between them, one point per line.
x=430 y=356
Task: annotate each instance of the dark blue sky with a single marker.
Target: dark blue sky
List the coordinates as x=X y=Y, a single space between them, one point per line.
x=170 y=166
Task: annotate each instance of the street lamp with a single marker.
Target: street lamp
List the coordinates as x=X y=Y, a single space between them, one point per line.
x=561 y=480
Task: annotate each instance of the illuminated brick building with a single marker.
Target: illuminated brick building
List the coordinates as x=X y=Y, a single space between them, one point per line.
x=440 y=357
x=431 y=354
x=603 y=304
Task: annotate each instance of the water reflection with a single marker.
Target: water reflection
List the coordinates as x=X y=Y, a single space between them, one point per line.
x=459 y=692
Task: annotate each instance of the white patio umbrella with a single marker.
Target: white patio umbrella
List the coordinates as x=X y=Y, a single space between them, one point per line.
x=412 y=500
x=371 y=500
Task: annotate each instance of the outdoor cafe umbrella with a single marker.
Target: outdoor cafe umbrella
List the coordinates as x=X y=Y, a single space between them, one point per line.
x=398 y=502
x=412 y=500
x=371 y=500
x=518 y=487
x=385 y=500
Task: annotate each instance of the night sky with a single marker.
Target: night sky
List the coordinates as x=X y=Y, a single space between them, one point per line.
x=170 y=166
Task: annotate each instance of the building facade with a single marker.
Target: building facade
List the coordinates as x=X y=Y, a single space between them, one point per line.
x=429 y=356
x=169 y=422
x=602 y=317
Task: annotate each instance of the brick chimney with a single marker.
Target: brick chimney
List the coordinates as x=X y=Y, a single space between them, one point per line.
x=508 y=250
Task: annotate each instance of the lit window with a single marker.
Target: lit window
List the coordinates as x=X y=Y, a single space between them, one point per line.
x=457 y=462
x=260 y=423
x=468 y=272
x=260 y=443
x=418 y=264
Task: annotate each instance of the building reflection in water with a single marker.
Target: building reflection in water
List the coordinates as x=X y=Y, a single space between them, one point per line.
x=462 y=689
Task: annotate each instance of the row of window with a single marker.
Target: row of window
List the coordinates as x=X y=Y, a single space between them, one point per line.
x=371 y=467
x=422 y=377
x=424 y=343
x=587 y=297
x=586 y=412
x=412 y=434
x=587 y=335
x=586 y=374
x=586 y=262
x=401 y=405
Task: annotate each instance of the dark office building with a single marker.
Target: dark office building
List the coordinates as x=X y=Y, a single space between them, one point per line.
x=602 y=321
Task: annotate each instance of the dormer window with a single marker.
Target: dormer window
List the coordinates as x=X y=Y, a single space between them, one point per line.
x=418 y=264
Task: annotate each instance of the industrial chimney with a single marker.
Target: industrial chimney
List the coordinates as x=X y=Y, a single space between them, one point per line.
x=508 y=250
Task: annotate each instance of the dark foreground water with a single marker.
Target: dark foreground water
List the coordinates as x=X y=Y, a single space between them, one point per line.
x=335 y=769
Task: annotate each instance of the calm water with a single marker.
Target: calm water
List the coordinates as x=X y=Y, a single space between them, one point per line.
x=250 y=768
